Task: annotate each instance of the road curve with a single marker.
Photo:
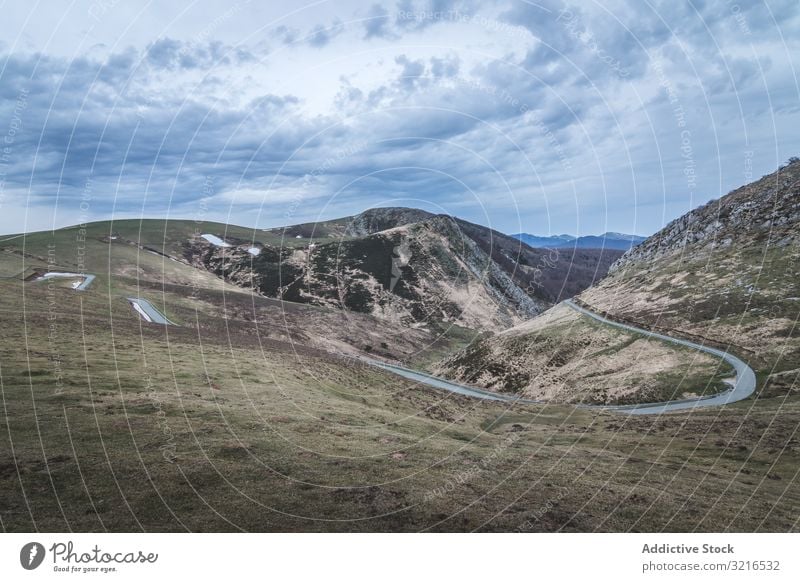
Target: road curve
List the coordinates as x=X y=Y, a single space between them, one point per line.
x=443 y=384
x=742 y=386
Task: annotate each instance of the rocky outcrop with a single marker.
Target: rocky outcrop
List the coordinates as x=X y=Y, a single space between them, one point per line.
x=765 y=211
x=379 y=219
x=728 y=271
x=425 y=272
x=409 y=267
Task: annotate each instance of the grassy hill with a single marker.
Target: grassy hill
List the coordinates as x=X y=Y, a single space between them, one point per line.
x=110 y=423
x=727 y=273
x=250 y=415
x=562 y=356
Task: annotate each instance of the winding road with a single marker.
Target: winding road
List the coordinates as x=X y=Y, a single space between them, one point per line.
x=742 y=386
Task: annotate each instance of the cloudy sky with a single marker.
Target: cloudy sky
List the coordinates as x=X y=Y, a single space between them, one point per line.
x=542 y=117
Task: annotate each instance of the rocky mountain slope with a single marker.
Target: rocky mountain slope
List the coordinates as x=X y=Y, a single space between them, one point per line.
x=550 y=274
x=363 y=224
x=409 y=274
x=406 y=266
x=726 y=274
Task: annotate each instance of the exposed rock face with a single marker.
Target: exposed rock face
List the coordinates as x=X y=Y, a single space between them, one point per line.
x=409 y=267
x=549 y=274
x=764 y=212
x=728 y=272
x=378 y=219
x=411 y=274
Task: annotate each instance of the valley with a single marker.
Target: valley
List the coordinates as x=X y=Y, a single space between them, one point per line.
x=257 y=409
x=127 y=426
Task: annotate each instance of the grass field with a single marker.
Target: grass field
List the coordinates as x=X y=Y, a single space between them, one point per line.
x=244 y=418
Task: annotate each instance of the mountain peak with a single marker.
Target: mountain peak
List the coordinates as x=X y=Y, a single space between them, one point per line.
x=378 y=219
x=762 y=212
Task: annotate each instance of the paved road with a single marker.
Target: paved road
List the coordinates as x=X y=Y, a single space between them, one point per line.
x=446 y=384
x=742 y=386
x=148 y=311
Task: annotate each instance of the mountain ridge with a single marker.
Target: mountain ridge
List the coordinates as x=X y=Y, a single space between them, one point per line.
x=728 y=271
x=726 y=274
x=408 y=266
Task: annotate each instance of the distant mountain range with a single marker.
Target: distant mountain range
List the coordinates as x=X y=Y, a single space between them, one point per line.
x=609 y=240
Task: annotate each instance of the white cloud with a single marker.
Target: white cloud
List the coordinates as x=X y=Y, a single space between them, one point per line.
x=574 y=115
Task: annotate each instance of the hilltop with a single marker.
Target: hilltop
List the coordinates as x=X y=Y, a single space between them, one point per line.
x=400 y=265
x=433 y=279
x=404 y=265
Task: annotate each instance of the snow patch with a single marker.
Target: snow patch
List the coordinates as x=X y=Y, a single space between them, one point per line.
x=255 y=251
x=80 y=284
x=141 y=312
x=58 y=274
x=215 y=240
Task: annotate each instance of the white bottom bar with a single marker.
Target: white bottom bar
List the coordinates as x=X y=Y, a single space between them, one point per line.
x=408 y=557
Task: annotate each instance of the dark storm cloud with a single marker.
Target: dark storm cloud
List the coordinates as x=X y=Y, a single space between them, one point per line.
x=168 y=53
x=582 y=106
x=320 y=35
x=570 y=42
x=98 y=121
x=377 y=23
